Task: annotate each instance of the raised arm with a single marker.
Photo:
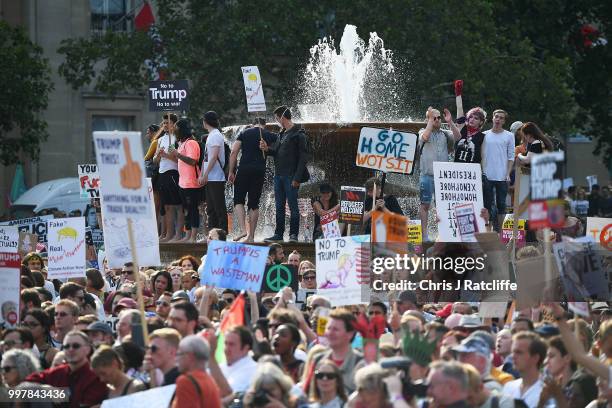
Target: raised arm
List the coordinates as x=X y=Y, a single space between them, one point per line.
x=426 y=134
x=448 y=118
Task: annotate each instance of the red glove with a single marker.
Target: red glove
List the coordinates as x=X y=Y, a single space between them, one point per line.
x=458 y=87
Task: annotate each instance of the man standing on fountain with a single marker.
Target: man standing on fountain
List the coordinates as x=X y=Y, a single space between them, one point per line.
x=434 y=144
x=290 y=156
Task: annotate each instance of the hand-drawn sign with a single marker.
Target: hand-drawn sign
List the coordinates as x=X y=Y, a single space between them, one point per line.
x=605 y=238
x=279 y=276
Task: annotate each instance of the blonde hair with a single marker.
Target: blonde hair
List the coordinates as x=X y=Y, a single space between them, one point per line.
x=171 y=336
x=104 y=357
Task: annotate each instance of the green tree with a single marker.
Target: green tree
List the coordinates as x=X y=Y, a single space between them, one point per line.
x=25 y=81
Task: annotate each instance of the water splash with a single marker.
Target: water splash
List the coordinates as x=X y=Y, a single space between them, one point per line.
x=356 y=84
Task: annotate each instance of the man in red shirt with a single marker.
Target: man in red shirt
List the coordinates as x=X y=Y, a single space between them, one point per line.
x=84 y=386
x=194 y=383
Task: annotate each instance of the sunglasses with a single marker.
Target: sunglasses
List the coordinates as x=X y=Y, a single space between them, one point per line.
x=162 y=303
x=437 y=117
x=309 y=278
x=74 y=346
x=321 y=375
x=153 y=348
x=375 y=313
x=127 y=272
x=7 y=369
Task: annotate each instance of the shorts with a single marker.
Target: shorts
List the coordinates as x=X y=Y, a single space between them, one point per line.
x=169 y=188
x=426 y=188
x=249 y=181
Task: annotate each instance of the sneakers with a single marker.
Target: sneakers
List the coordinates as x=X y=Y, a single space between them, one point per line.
x=293 y=238
x=273 y=238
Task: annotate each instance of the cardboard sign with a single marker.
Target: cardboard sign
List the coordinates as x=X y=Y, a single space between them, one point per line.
x=387 y=150
x=278 y=276
x=159 y=397
x=123 y=190
x=600 y=229
x=545 y=180
x=456 y=183
x=256 y=102
x=493 y=309
x=582 y=260
x=466 y=222
x=233 y=265
x=27 y=243
x=33 y=225
x=9 y=296
x=342 y=268
x=352 y=200
x=388 y=227
x=66 y=249
x=168 y=96
x=9 y=238
x=574 y=288
x=116 y=239
x=89 y=180
x=329 y=225
x=507 y=227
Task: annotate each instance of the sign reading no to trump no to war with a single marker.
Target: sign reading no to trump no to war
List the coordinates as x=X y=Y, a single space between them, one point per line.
x=233 y=265
x=389 y=151
x=169 y=95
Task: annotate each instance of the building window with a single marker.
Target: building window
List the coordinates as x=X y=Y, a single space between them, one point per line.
x=111 y=15
x=100 y=123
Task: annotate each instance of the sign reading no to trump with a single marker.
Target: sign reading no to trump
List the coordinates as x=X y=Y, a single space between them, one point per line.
x=386 y=150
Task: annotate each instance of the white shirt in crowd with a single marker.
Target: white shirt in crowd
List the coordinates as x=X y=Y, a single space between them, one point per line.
x=240 y=374
x=531 y=396
x=215 y=139
x=166 y=164
x=498 y=150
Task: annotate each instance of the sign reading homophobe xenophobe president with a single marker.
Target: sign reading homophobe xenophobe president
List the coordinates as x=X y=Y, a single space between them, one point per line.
x=457 y=183
x=123 y=189
x=389 y=151
x=169 y=95
x=352 y=201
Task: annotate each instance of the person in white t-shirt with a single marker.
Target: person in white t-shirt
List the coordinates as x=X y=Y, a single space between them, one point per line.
x=498 y=158
x=240 y=367
x=528 y=354
x=213 y=176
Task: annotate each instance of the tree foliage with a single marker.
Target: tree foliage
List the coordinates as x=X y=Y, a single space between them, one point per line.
x=25 y=82
x=519 y=55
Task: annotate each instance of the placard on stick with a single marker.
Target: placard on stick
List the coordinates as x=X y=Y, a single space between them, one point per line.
x=352 y=200
x=168 y=96
x=66 y=248
x=389 y=151
x=89 y=180
x=253 y=88
x=546 y=181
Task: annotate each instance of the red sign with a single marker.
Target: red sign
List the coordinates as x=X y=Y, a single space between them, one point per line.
x=9 y=260
x=546 y=214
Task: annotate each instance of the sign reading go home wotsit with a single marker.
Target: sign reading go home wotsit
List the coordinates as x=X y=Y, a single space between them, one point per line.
x=169 y=95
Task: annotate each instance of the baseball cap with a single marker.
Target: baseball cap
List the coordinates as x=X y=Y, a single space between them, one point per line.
x=547 y=330
x=179 y=295
x=127 y=303
x=407 y=296
x=100 y=327
x=515 y=126
x=484 y=336
x=599 y=306
x=473 y=345
x=445 y=312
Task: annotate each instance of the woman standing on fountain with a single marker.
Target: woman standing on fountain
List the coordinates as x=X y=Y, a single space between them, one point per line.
x=325 y=203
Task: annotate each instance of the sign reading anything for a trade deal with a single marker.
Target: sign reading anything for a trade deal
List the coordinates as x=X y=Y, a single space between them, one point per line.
x=117 y=242
x=89 y=180
x=9 y=296
x=233 y=265
x=456 y=183
x=33 y=225
x=466 y=222
x=278 y=276
x=507 y=228
x=9 y=237
x=66 y=250
x=600 y=229
x=352 y=200
x=253 y=88
x=389 y=151
x=342 y=268
x=123 y=190
x=168 y=95
x=329 y=225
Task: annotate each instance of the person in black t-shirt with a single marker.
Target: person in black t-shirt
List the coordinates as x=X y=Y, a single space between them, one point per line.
x=386 y=203
x=250 y=177
x=468 y=134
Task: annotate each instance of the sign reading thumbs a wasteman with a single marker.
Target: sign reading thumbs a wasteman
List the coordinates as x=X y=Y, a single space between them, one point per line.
x=123 y=192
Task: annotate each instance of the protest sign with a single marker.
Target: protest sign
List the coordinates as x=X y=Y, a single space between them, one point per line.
x=27 y=243
x=34 y=225
x=159 y=397
x=9 y=295
x=579 y=308
x=574 y=287
x=600 y=229
x=342 y=268
x=568 y=182
x=545 y=182
x=507 y=227
x=583 y=260
x=591 y=181
x=91 y=255
x=456 y=183
x=329 y=225
x=253 y=89
x=89 y=180
x=10 y=260
x=116 y=239
x=546 y=214
x=414 y=232
x=389 y=227
x=387 y=150
x=9 y=238
x=168 y=96
x=352 y=200
x=278 y=276
x=466 y=222
x=492 y=309
x=234 y=265
x=531 y=282
x=66 y=249
x=123 y=190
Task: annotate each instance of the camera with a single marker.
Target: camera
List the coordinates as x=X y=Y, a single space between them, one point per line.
x=402 y=364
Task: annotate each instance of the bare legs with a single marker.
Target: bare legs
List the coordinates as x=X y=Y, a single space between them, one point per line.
x=423 y=213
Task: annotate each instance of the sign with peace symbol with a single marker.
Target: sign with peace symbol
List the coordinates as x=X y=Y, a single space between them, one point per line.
x=279 y=276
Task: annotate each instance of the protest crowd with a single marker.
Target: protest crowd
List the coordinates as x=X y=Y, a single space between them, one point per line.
x=294 y=347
